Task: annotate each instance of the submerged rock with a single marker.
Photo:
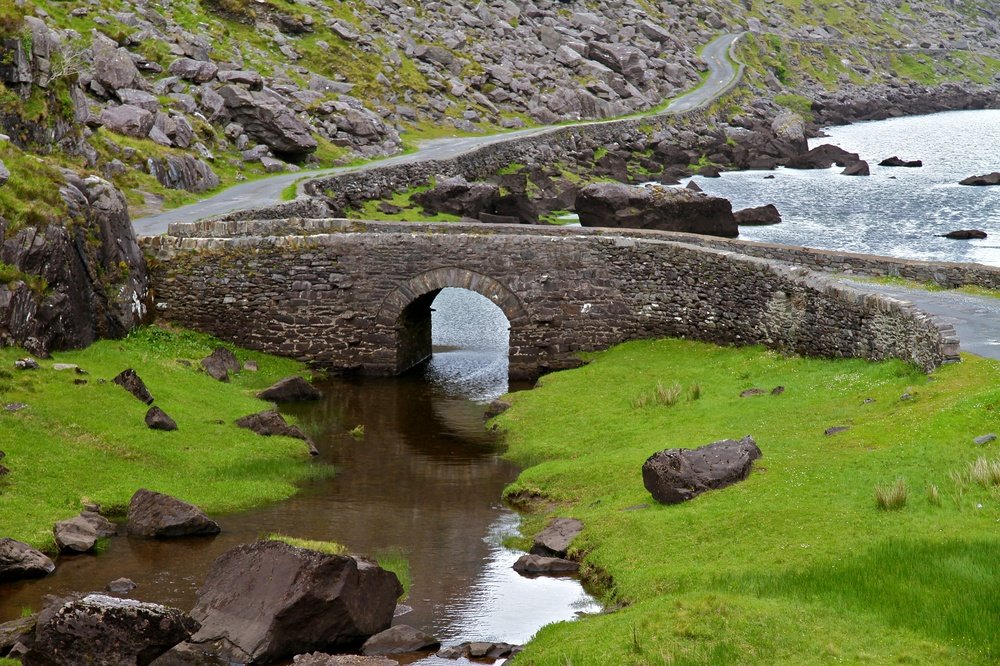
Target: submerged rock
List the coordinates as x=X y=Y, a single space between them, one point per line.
x=897 y=162
x=965 y=234
x=676 y=475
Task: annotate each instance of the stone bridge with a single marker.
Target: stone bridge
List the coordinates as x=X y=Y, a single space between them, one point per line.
x=356 y=296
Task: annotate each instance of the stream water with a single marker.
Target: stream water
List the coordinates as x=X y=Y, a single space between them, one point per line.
x=425 y=480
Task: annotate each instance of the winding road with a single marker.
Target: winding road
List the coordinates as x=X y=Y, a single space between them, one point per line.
x=722 y=76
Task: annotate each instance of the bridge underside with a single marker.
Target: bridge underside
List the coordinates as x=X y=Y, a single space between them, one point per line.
x=413 y=333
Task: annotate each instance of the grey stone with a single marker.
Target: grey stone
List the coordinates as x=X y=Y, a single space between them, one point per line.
x=128 y=120
x=196 y=71
x=19 y=560
x=399 y=639
x=268 y=121
x=4 y=174
x=152 y=514
x=654 y=207
x=540 y=565
x=982 y=440
x=121 y=586
x=220 y=363
x=270 y=423
x=555 y=539
x=79 y=534
x=676 y=475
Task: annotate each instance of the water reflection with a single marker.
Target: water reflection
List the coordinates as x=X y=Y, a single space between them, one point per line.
x=426 y=479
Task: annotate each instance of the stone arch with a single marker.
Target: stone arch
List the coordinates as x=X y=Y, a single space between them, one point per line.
x=406 y=311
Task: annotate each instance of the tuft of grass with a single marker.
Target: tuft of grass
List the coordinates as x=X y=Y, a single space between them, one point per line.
x=396 y=561
x=358 y=431
x=985 y=472
x=325 y=547
x=662 y=395
x=891 y=498
x=933 y=495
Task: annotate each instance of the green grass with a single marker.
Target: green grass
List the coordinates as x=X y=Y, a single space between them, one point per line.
x=76 y=443
x=397 y=562
x=796 y=564
x=972 y=290
x=325 y=547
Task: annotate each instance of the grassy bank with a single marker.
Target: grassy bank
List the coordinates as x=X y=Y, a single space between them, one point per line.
x=796 y=564
x=79 y=442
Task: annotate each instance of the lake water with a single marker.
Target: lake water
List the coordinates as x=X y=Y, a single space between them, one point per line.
x=895 y=211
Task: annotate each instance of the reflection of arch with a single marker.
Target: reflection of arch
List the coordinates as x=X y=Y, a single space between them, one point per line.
x=407 y=310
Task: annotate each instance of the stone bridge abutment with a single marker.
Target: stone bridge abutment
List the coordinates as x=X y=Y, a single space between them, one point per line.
x=354 y=296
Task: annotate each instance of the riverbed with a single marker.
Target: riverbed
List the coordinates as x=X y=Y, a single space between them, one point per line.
x=425 y=481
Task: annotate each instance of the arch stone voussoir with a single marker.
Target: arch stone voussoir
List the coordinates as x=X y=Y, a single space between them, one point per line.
x=451 y=276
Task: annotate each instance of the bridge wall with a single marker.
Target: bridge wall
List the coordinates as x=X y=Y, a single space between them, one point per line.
x=337 y=300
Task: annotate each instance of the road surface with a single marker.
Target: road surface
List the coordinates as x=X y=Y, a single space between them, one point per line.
x=267 y=191
x=976 y=318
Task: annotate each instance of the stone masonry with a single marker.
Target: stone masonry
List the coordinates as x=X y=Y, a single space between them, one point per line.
x=356 y=296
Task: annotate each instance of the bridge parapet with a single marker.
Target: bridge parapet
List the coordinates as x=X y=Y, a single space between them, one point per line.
x=359 y=299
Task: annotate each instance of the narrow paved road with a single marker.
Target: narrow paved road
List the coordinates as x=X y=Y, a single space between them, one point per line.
x=976 y=318
x=265 y=191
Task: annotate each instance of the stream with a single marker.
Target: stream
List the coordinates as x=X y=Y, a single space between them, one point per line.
x=425 y=480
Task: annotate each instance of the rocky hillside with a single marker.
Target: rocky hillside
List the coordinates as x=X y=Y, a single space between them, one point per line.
x=167 y=100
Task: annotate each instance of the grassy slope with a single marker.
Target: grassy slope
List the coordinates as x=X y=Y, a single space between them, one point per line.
x=796 y=564
x=89 y=442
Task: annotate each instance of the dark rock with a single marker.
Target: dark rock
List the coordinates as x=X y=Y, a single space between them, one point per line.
x=964 y=234
x=822 y=157
x=496 y=408
x=152 y=514
x=479 y=650
x=267 y=601
x=982 y=440
x=272 y=423
x=269 y=122
x=321 y=659
x=859 y=168
x=896 y=162
x=654 y=207
x=157 y=419
x=709 y=172
x=833 y=430
x=777 y=390
x=290 y=389
x=19 y=560
x=458 y=196
x=121 y=586
x=751 y=392
x=555 y=539
x=693 y=186
x=79 y=534
x=676 y=475
x=539 y=565
x=988 y=179
x=399 y=639
x=758 y=216
x=106 y=630
x=220 y=363
x=27 y=363
x=21 y=630
x=131 y=382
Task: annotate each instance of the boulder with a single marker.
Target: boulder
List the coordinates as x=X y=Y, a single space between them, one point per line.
x=555 y=539
x=983 y=440
x=399 y=639
x=676 y=475
x=965 y=234
x=458 y=196
x=139 y=98
x=220 y=363
x=128 y=120
x=655 y=207
x=789 y=131
x=541 y=565
x=896 y=162
x=19 y=560
x=129 y=380
x=26 y=363
x=182 y=172
x=270 y=422
x=106 y=630
x=859 y=168
x=79 y=534
x=152 y=514
x=761 y=215
x=248 y=78
x=988 y=179
x=268 y=121
x=290 y=389
x=21 y=630
x=196 y=71
x=267 y=601
x=157 y=419
x=113 y=65
x=822 y=157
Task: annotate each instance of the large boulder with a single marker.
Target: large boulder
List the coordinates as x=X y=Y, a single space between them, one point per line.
x=268 y=601
x=128 y=120
x=220 y=363
x=106 y=630
x=761 y=215
x=152 y=514
x=859 y=168
x=895 y=161
x=987 y=179
x=182 y=172
x=399 y=639
x=676 y=475
x=112 y=64
x=290 y=389
x=79 y=534
x=196 y=71
x=130 y=380
x=98 y=286
x=457 y=196
x=268 y=121
x=823 y=157
x=19 y=560
x=655 y=207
